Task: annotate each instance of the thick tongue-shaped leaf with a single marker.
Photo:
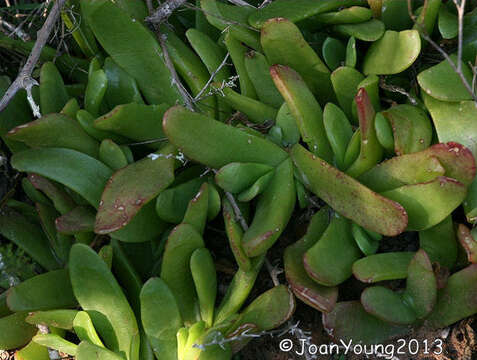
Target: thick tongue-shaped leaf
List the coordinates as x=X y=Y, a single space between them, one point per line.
x=283 y=43
x=447 y=23
x=238 y=291
x=469 y=42
x=258 y=70
x=287 y=124
x=415 y=303
x=171 y=204
x=32 y=351
x=81 y=173
x=455 y=121
x=51 y=290
x=61 y=319
x=353 y=149
x=345 y=82
x=273 y=211
x=411 y=126
x=393 y=53
x=439 y=242
x=15 y=331
x=304 y=108
x=215 y=144
x=136 y=121
x=138 y=52
x=53 y=95
x=428 y=16
x=130 y=188
x=467 y=242
x=451 y=159
x=122 y=88
x=50 y=130
x=196 y=213
x=95 y=90
x=84 y=328
x=145 y=226
x=322 y=298
x=161 y=318
x=257 y=187
x=338 y=130
x=16 y=113
x=175 y=270
x=330 y=259
x=235 y=234
x=421 y=285
x=56 y=342
x=78 y=220
x=457 y=300
x=351 y=53
x=205 y=280
x=232 y=19
x=256 y=111
x=112 y=155
x=334 y=52
x=385 y=266
x=366 y=243
x=237 y=177
x=98 y=292
x=387 y=305
x=351 y=15
x=371 y=151
x=86 y=351
x=443 y=83
x=347 y=196
x=370 y=30
x=237 y=52
x=395 y=15
x=86 y=121
x=350 y=322
x=299 y=10
x=28 y=237
x=269 y=310
x=427 y=204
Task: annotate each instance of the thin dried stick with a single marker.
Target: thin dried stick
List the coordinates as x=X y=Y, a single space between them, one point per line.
x=212 y=76
x=15 y=30
x=272 y=270
x=455 y=67
x=24 y=79
x=240 y=3
x=460 y=17
x=160 y=16
x=163 y=12
x=238 y=214
x=175 y=78
x=264 y=3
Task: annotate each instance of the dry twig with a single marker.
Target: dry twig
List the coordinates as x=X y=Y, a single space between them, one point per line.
x=456 y=67
x=24 y=79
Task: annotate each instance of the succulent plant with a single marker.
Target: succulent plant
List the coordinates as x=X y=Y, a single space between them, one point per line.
x=126 y=166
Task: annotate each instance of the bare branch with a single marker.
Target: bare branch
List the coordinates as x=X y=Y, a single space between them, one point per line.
x=163 y=12
x=423 y=33
x=24 y=79
x=238 y=214
x=264 y=3
x=240 y=3
x=460 y=17
x=211 y=79
x=175 y=78
x=15 y=30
